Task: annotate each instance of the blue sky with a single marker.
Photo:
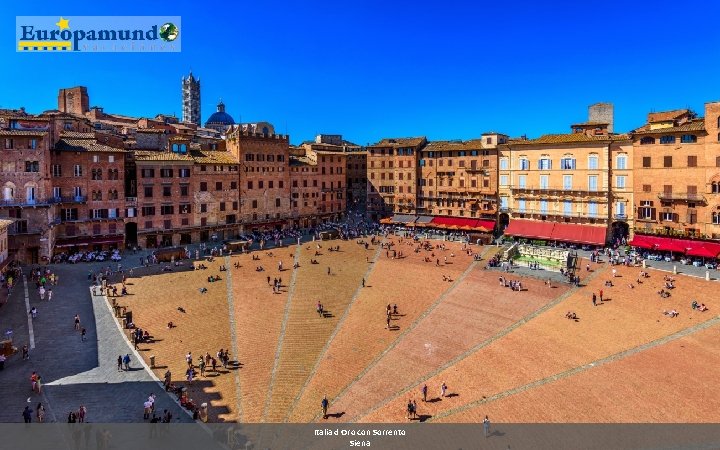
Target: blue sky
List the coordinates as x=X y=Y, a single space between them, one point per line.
x=374 y=69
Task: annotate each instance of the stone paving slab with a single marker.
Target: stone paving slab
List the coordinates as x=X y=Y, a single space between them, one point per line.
x=258 y=320
x=670 y=383
x=72 y=370
x=630 y=317
x=411 y=283
x=307 y=332
x=473 y=312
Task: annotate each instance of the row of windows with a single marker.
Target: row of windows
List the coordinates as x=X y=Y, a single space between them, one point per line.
x=391 y=152
x=102 y=213
x=692 y=161
x=262 y=157
x=670 y=139
x=96 y=195
x=567 y=162
x=184 y=208
x=29 y=143
x=620 y=182
x=270 y=184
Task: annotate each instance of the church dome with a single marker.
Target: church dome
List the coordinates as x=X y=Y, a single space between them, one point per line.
x=220 y=117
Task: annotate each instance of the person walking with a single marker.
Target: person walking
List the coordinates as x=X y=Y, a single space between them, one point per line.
x=328 y=270
x=594 y=299
x=120 y=363
x=443 y=389
x=50 y=294
x=324 y=404
x=27 y=414
x=486 y=426
x=25 y=353
x=77 y=322
x=424 y=391
x=82 y=411
x=82 y=334
x=363 y=282
x=202 y=366
x=601 y=295
x=126 y=361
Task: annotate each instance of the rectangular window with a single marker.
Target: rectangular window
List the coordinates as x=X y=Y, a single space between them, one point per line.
x=503 y=163
x=184 y=190
x=147 y=173
x=543 y=206
x=203 y=207
x=218 y=185
x=8 y=143
x=503 y=180
x=166 y=173
x=567 y=208
x=277 y=202
x=592 y=209
x=544 y=181
x=57 y=192
x=647 y=161
x=593 y=162
x=567 y=182
x=620 y=181
x=647 y=188
x=524 y=164
x=254 y=204
x=592 y=183
x=148 y=211
x=148 y=191
x=111 y=158
x=567 y=164
x=522 y=181
x=544 y=164
x=692 y=161
x=184 y=173
x=33 y=144
x=184 y=209
x=167 y=191
x=620 y=209
x=203 y=186
x=667 y=161
x=222 y=206
x=95 y=158
x=77 y=170
x=521 y=206
x=250 y=185
x=57 y=170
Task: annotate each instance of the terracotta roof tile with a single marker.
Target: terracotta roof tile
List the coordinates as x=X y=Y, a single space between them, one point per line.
x=212 y=157
x=569 y=139
x=85 y=145
x=664 y=116
x=400 y=142
x=76 y=135
x=149 y=155
x=693 y=125
x=22 y=133
x=436 y=146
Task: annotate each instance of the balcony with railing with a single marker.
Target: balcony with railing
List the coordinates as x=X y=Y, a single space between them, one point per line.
x=622 y=217
x=682 y=197
x=552 y=190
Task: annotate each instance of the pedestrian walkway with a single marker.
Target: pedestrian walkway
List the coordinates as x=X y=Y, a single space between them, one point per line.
x=74 y=372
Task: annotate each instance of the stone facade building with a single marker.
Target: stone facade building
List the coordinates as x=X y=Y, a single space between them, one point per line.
x=562 y=187
x=393 y=176
x=191 y=100
x=677 y=174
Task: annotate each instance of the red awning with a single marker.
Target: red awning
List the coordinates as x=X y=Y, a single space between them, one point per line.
x=579 y=234
x=663 y=244
x=641 y=241
x=463 y=222
x=531 y=229
x=704 y=250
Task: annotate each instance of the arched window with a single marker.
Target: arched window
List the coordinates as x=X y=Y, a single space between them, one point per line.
x=545 y=163
x=183 y=148
x=265 y=131
x=647 y=140
x=668 y=139
x=175 y=148
x=718 y=122
x=688 y=139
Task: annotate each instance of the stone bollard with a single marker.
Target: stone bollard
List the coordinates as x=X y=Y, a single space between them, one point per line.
x=152 y=361
x=674 y=269
x=707 y=275
x=644 y=264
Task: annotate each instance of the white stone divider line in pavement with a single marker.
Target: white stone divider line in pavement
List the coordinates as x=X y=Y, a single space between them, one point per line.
x=105 y=301
x=233 y=334
x=31 y=332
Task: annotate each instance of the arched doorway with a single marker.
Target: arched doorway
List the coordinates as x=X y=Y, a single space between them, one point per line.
x=131 y=234
x=618 y=232
x=503 y=222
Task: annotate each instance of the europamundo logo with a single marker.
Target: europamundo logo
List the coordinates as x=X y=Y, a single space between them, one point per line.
x=142 y=34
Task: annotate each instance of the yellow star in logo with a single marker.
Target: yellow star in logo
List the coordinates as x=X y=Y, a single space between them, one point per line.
x=64 y=24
